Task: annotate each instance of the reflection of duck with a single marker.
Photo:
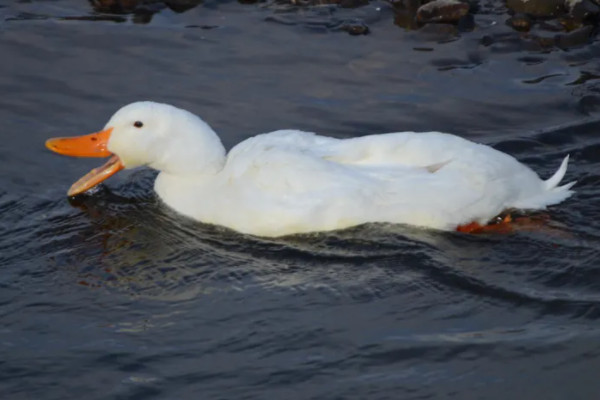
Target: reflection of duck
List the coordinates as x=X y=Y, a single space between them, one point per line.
x=290 y=181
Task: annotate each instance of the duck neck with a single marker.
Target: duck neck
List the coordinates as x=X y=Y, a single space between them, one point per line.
x=197 y=153
x=191 y=171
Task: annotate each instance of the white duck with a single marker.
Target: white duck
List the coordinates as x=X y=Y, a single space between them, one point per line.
x=290 y=181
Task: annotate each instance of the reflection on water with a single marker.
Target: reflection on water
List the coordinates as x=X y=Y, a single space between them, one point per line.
x=138 y=245
x=113 y=295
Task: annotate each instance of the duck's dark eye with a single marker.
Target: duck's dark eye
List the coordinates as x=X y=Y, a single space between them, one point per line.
x=138 y=124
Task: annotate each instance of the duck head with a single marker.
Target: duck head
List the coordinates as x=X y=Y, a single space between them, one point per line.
x=160 y=136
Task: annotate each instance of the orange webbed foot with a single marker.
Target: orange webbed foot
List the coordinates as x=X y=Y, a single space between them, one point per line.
x=503 y=225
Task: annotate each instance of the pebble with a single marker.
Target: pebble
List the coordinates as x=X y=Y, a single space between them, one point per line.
x=576 y=38
x=353 y=3
x=582 y=9
x=570 y=24
x=442 y=11
x=115 y=6
x=438 y=32
x=406 y=11
x=181 y=5
x=537 y=8
x=355 y=28
x=520 y=22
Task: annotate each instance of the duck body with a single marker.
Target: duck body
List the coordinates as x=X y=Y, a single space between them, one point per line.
x=290 y=181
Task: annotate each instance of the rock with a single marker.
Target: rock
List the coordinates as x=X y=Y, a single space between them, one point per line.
x=180 y=6
x=537 y=8
x=115 y=6
x=311 y=2
x=544 y=43
x=438 y=32
x=142 y=18
x=142 y=6
x=487 y=41
x=412 y=4
x=520 y=22
x=582 y=9
x=576 y=38
x=355 y=28
x=466 y=23
x=405 y=11
x=551 y=25
x=570 y=24
x=406 y=21
x=353 y=3
x=442 y=11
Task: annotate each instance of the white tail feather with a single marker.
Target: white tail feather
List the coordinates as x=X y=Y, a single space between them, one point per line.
x=553 y=194
x=555 y=179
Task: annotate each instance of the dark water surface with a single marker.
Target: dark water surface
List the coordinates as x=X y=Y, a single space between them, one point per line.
x=115 y=296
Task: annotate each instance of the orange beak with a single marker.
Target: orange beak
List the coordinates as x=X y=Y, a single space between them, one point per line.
x=92 y=145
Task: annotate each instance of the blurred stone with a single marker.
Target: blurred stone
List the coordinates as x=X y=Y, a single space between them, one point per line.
x=552 y=25
x=438 y=32
x=466 y=23
x=533 y=43
x=406 y=11
x=406 y=20
x=487 y=41
x=310 y=2
x=442 y=11
x=407 y=3
x=142 y=6
x=570 y=24
x=341 y=3
x=353 y=3
x=537 y=8
x=520 y=22
x=142 y=18
x=114 y=6
x=582 y=9
x=576 y=38
x=355 y=28
x=180 y=6
x=545 y=42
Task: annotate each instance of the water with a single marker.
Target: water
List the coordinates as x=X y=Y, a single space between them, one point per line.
x=115 y=296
